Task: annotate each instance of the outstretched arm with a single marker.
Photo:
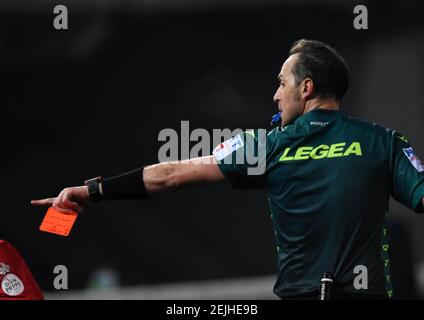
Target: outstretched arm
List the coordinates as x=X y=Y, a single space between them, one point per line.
x=157 y=178
x=167 y=176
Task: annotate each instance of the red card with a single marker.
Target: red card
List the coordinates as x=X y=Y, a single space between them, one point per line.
x=58 y=222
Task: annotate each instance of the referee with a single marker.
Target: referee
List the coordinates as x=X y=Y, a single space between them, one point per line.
x=329 y=179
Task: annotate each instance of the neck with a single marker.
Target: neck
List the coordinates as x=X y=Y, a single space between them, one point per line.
x=325 y=104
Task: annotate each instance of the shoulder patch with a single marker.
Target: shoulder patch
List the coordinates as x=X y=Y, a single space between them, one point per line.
x=224 y=149
x=412 y=157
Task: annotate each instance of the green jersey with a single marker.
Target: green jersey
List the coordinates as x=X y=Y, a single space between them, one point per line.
x=329 y=178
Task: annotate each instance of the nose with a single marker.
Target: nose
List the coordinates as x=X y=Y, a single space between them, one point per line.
x=275 y=98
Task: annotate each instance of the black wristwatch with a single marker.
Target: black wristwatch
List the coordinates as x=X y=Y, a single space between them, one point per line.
x=93 y=188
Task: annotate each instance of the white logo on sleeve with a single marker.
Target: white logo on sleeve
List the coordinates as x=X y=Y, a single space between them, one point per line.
x=4 y=268
x=227 y=147
x=415 y=161
x=12 y=285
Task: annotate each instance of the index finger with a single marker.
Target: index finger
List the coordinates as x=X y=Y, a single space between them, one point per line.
x=43 y=202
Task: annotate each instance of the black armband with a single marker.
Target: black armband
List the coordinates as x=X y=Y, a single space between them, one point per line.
x=129 y=185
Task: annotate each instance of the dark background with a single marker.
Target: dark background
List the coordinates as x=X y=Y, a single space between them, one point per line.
x=91 y=100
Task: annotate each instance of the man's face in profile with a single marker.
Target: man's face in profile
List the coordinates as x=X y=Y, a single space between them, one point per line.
x=287 y=95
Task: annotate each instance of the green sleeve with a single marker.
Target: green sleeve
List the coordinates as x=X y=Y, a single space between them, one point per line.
x=407 y=173
x=242 y=159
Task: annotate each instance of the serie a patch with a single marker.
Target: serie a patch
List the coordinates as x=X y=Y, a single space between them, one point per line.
x=227 y=147
x=415 y=161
